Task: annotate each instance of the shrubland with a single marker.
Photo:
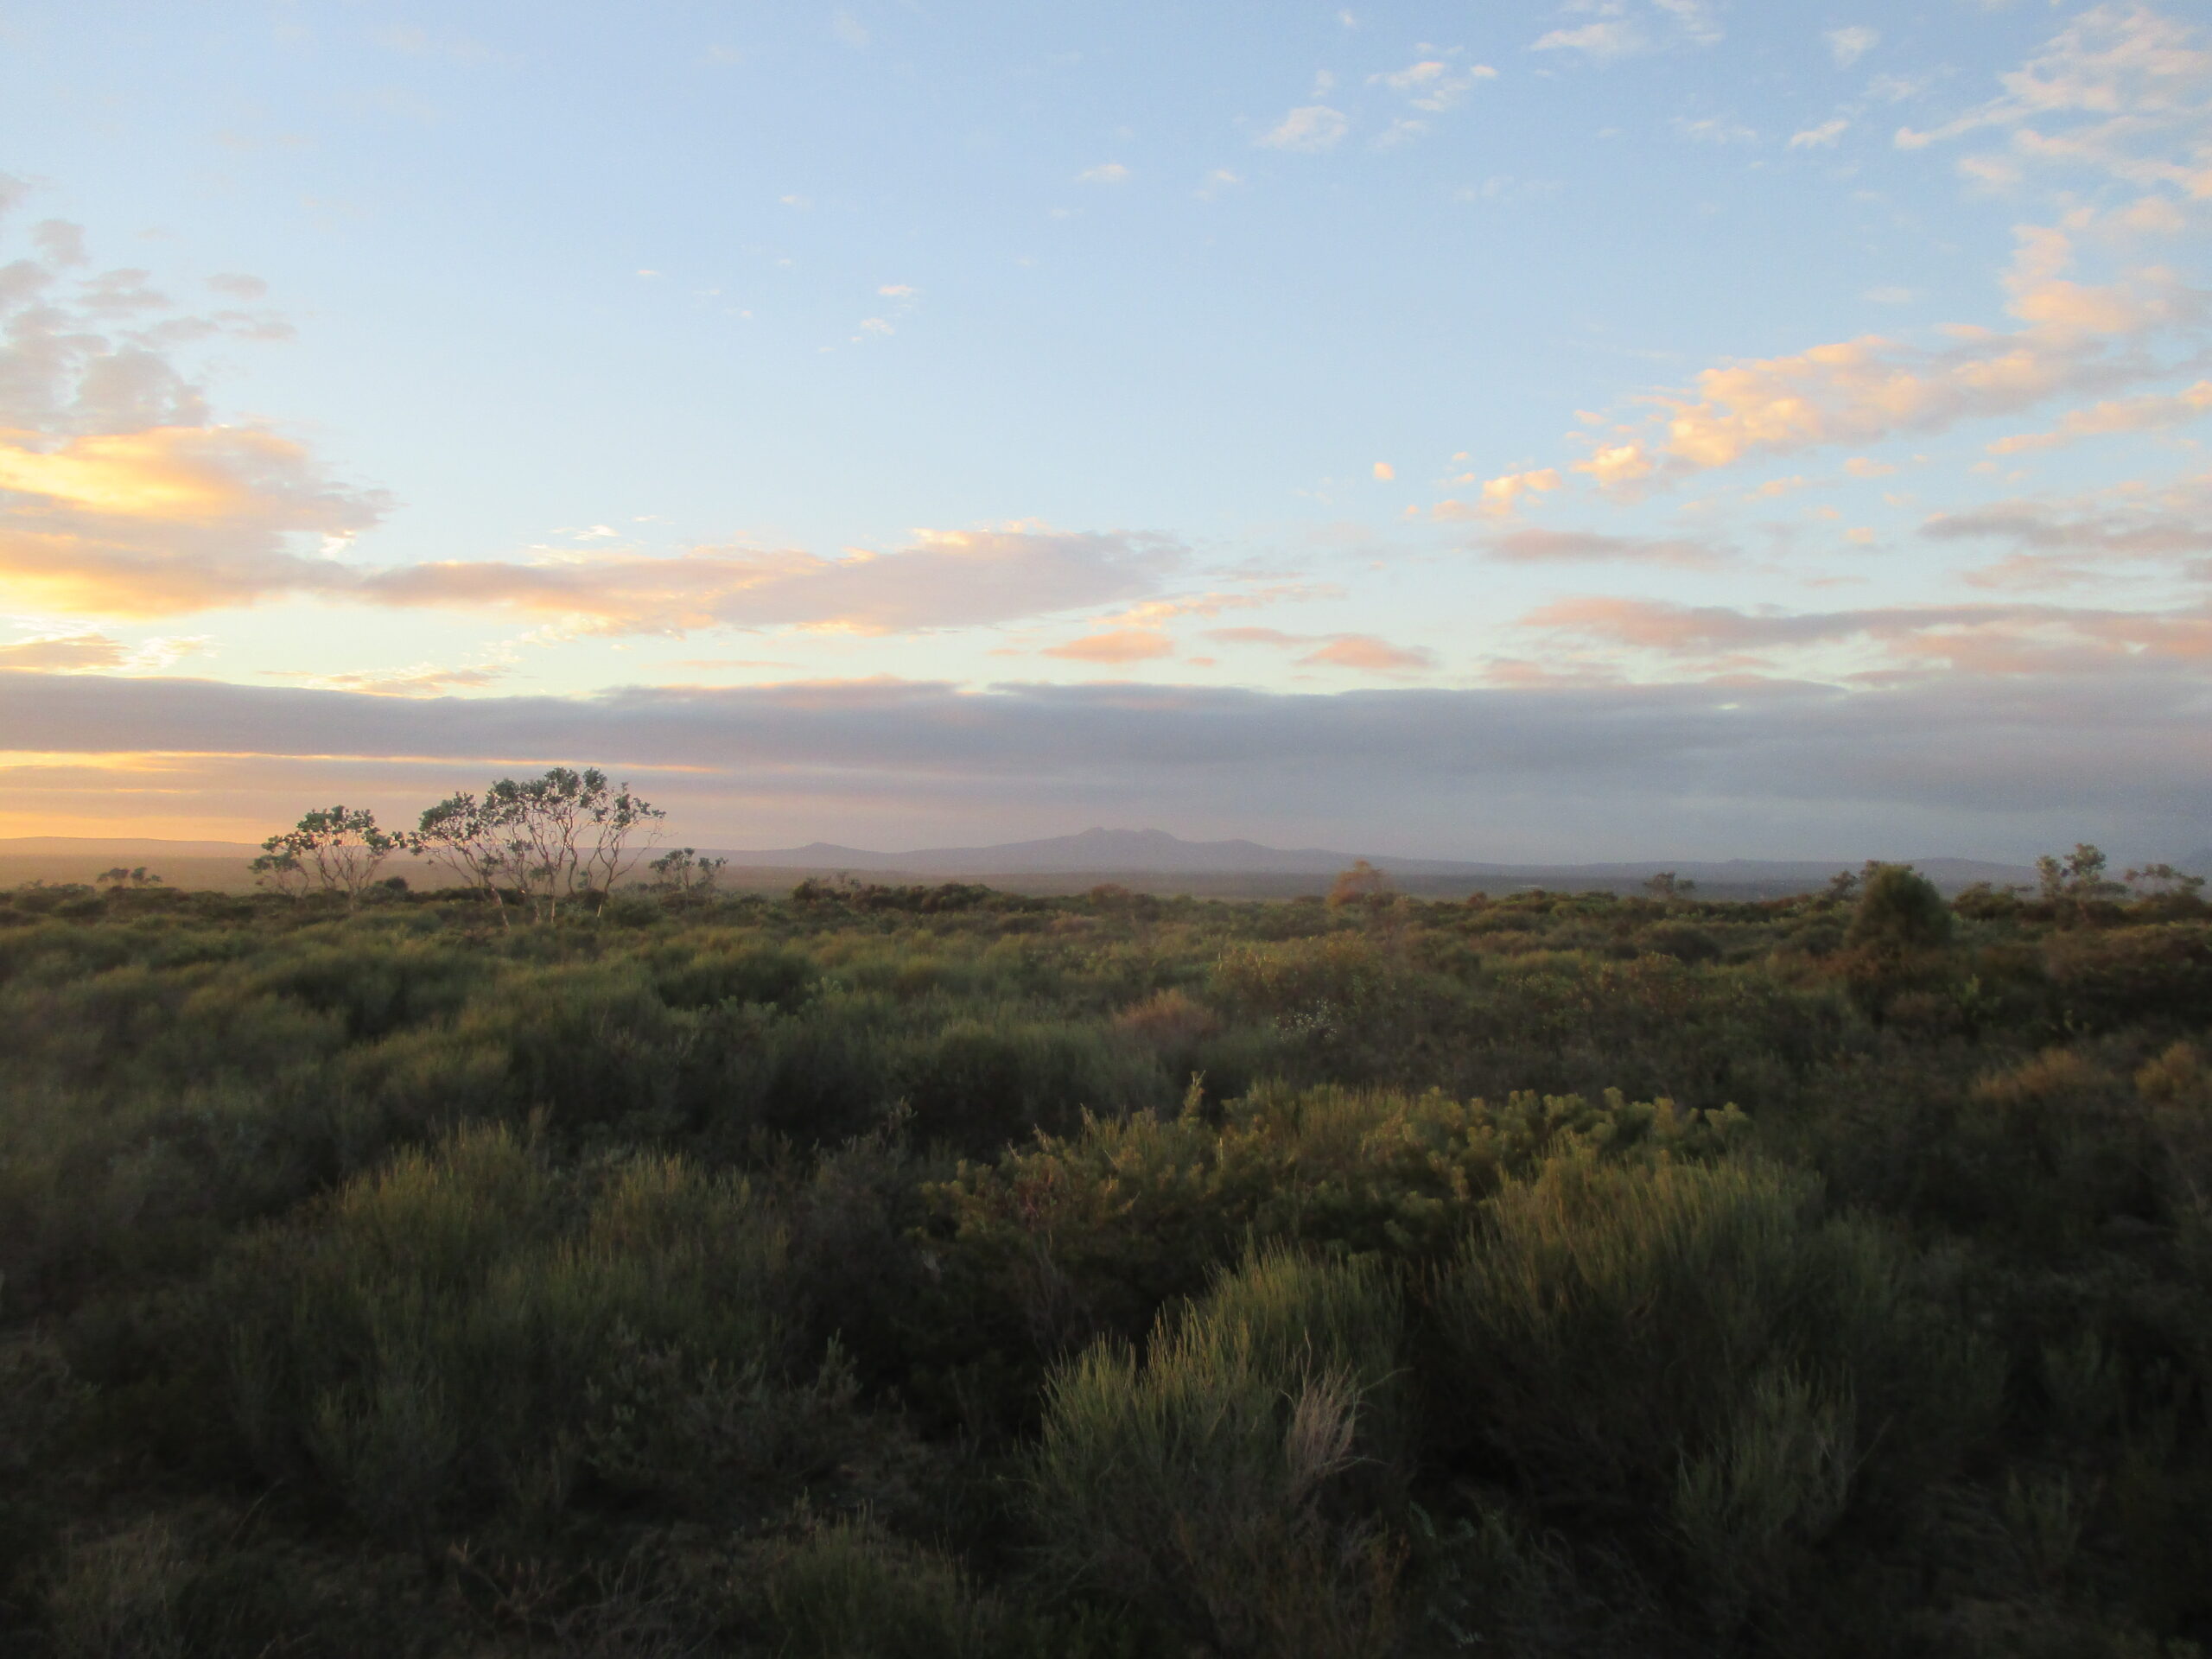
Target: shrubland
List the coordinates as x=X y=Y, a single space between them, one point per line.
x=898 y=1272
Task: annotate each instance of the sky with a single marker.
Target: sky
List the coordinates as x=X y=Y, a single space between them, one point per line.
x=1613 y=429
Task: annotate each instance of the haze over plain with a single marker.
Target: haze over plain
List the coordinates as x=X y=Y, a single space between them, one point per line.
x=1609 y=431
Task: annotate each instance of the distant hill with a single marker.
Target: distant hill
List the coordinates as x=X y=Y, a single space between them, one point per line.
x=1150 y=859
x=1155 y=852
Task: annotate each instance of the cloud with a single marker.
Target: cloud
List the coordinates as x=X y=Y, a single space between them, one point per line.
x=2144 y=85
x=1116 y=646
x=1501 y=497
x=946 y=579
x=1614 y=38
x=2055 y=542
x=1434 y=84
x=2148 y=413
x=1587 y=547
x=1362 y=651
x=1104 y=173
x=1311 y=127
x=1622 y=30
x=2077 y=338
x=61 y=242
x=848 y=29
x=1847 y=46
x=1215 y=182
x=1995 y=639
x=239 y=285
x=1384 y=472
x=1944 y=761
x=167 y=520
x=65 y=653
x=120 y=494
x=1370 y=655
x=1715 y=130
x=1694 y=18
x=1821 y=137
x=421 y=680
x=1617 y=467
x=2119 y=91
x=83 y=651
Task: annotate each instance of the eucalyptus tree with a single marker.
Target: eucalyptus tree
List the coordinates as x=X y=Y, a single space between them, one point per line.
x=332 y=849
x=560 y=838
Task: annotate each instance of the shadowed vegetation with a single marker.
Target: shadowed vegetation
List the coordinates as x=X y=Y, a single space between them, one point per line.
x=921 y=1271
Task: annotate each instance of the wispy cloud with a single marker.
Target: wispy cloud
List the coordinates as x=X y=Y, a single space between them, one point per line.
x=1116 y=646
x=2153 y=413
x=1587 y=547
x=1613 y=37
x=1434 y=84
x=2001 y=640
x=1362 y=652
x=1847 y=46
x=1821 y=137
x=1311 y=127
x=1715 y=130
x=947 y=578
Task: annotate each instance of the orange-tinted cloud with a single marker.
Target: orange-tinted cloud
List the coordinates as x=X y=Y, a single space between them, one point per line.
x=1362 y=651
x=1366 y=653
x=2125 y=90
x=119 y=494
x=2148 y=413
x=1501 y=497
x=1116 y=646
x=947 y=578
x=1982 y=638
x=65 y=653
x=2057 y=541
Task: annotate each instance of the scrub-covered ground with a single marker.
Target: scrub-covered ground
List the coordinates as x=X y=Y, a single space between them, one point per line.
x=904 y=1272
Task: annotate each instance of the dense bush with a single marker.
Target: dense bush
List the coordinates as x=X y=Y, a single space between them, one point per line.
x=929 y=1271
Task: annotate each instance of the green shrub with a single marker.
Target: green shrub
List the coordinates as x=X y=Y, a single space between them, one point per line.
x=848 y=1589
x=1097 y=1231
x=463 y=1333
x=1222 y=1488
x=1696 y=1344
x=1899 y=909
x=977 y=1084
x=2103 y=977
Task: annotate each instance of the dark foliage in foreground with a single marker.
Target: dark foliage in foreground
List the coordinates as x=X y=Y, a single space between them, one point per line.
x=927 y=1271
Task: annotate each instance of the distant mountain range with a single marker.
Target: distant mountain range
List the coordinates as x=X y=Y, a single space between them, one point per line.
x=1155 y=852
x=1105 y=854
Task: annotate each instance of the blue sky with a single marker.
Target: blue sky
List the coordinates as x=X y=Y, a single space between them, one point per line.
x=1690 y=428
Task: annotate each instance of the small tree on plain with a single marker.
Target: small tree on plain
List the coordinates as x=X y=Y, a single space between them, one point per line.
x=681 y=870
x=458 y=833
x=1666 y=887
x=1363 y=884
x=280 y=872
x=1899 y=910
x=333 y=849
x=554 y=839
x=2080 y=875
x=121 y=877
x=2163 y=879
